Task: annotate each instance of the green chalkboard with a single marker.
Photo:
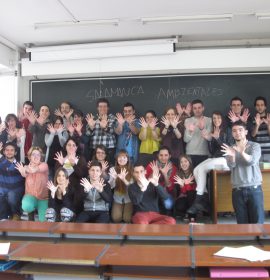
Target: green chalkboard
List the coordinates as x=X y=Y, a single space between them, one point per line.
x=156 y=92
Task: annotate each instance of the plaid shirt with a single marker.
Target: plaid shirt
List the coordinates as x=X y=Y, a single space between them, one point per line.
x=102 y=136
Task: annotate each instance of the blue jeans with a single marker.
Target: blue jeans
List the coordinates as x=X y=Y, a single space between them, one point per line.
x=248 y=205
x=168 y=203
x=10 y=202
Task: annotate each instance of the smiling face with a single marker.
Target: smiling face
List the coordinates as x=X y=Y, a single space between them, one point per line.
x=122 y=159
x=149 y=117
x=35 y=157
x=44 y=112
x=77 y=119
x=57 y=124
x=100 y=155
x=94 y=173
x=9 y=152
x=260 y=107
x=128 y=111
x=164 y=156
x=236 y=107
x=11 y=123
x=197 y=110
x=239 y=133
x=217 y=120
x=27 y=109
x=184 y=164
x=71 y=147
x=65 y=108
x=170 y=114
x=61 y=178
x=103 y=108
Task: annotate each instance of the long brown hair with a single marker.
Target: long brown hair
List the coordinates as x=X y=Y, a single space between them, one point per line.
x=189 y=172
x=119 y=184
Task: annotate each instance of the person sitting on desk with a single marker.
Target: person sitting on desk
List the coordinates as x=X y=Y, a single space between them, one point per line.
x=243 y=161
x=145 y=195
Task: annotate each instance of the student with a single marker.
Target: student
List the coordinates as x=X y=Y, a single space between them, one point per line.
x=185 y=189
x=65 y=112
x=36 y=178
x=196 y=126
x=261 y=127
x=16 y=135
x=55 y=138
x=61 y=196
x=172 y=132
x=100 y=154
x=145 y=195
x=11 y=184
x=149 y=136
x=216 y=139
x=120 y=179
x=38 y=126
x=75 y=164
x=167 y=171
x=97 y=198
x=101 y=128
x=243 y=160
x=27 y=109
x=127 y=129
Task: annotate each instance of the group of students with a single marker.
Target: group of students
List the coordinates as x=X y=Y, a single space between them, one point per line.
x=121 y=168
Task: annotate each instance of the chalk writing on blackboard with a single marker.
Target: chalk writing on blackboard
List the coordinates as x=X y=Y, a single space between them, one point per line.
x=94 y=94
x=194 y=92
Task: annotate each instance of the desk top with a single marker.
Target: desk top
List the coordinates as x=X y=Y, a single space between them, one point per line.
x=87 y=228
x=13 y=246
x=204 y=256
x=58 y=253
x=26 y=226
x=147 y=255
x=155 y=230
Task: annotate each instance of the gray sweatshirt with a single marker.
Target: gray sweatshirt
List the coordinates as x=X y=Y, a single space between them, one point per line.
x=246 y=173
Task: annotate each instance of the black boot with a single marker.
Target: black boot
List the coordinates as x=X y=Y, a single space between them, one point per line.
x=200 y=203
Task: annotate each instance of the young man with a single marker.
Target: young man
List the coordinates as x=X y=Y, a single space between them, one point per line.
x=145 y=195
x=197 y=127
x=261 y=127
x=243 y=160
x=27 y=109
x=11 y=184
x=101 y=128
x=98 y=196
x=167 y=171
x=127 y=130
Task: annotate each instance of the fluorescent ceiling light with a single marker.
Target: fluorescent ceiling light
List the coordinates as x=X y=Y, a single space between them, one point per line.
x=194 y=18
x=44 y=25
x=262 y=16
x=103 y=50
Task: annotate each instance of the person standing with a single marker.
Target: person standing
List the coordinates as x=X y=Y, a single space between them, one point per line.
x=246 y=178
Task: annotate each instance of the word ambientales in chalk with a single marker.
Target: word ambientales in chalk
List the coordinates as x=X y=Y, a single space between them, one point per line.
x=94 y=94
x=191 y=91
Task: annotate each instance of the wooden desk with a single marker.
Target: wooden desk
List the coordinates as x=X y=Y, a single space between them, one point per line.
x=13 y=246
x=65 y=253
x=204 y=256
x=221 y=192
x=147 y=255
x=156 y=230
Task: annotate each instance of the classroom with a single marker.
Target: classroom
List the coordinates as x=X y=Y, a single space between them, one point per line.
x=134 y=139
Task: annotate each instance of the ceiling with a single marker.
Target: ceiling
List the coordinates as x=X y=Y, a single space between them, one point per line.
x=18 y=19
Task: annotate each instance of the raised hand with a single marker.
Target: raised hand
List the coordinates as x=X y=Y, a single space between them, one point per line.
x=179 y=109
x=267 y=120
x=104 y=121
x=58 y=113
x=105 y=165
x=78 y=128
x=165 y=121
x=175 y=121
x=41 y=120
x=32 y=117
x=188 y=109
x=51 y=128
x=120 y=119
x=130 y=119
x=68 y=115
x=59 y=157
x=143 y=123
x=154 y=166
x=178 y=180
x=99 y=185
x=153 y=123
x=123 y=174
x=258 y=120
x=244 y=117
x=205 y=134
x=90 y=120
x=227 y=150
x=201 y=123
x=2 y=127
x=241 y=147
x=86 y=185
x=60 y=128
x=189 y=180
x=143 y=181
x=21 y=168
x=73 y=159
x=232 y=116
x=166 y=169
x=11 y=133
x=112 y=173
x=190 y=127
x=52 y=188
x=70 y=128
x=155 y=178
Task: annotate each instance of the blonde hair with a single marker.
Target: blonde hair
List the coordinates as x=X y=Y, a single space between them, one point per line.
x=35 y=148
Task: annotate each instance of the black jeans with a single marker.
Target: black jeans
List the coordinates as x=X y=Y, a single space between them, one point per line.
x=93 y=217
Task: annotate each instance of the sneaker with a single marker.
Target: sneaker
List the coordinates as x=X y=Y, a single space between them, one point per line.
x=31 y=216
x=16 y=217
x=200 y=204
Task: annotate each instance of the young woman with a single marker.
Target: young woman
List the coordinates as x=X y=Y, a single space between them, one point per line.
x=76 y=166
x=97 y=197
x=216 y=138
x=149 y=136
x=185 y=188
x=172 y=131
x=120 y=179
x=61 y=195
x=16 y=135
x=36 y=178
x=55 y=138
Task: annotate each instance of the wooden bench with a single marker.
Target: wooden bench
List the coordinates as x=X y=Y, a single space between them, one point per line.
x=221 y=192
